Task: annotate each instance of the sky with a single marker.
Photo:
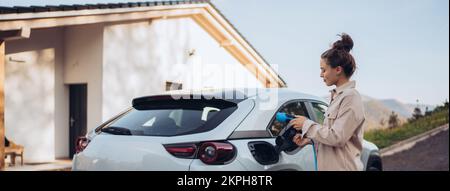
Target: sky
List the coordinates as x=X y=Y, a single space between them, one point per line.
x=401 y=47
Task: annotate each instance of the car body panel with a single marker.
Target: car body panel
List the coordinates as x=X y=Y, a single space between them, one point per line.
x=120 y=152
x=298 y=159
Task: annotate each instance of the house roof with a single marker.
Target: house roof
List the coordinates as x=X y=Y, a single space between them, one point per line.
x=53 y=8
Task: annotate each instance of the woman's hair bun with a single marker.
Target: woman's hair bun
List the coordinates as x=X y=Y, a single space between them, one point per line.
x=346 y=43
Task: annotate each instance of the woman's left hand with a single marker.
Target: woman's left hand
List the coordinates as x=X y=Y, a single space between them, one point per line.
x=301 y=142
x=297 y=123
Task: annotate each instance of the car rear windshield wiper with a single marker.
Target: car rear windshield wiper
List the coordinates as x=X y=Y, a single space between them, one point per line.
x=116 y=130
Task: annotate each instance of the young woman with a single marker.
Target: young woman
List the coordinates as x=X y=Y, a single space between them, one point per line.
x=339 y=139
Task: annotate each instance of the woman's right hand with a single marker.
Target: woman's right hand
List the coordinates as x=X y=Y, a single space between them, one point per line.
x=297 y=122
x=301 y=142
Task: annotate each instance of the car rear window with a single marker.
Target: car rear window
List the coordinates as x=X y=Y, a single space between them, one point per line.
x=173 y=117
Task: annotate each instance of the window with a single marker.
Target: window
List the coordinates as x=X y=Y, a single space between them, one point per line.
x=174 y=117
x=294 y=108
x=319 y=110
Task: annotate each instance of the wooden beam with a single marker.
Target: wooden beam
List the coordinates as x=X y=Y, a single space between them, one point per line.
x=92 y=19
x=22 y=33
x=2 y=105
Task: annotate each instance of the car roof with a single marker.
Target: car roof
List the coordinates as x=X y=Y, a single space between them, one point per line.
x=246 y=93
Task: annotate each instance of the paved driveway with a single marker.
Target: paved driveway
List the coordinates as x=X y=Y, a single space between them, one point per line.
x=428 y=155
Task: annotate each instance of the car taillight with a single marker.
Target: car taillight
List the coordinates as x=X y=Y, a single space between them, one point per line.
x=208 y=152
x=216 y=152
x=81 y=144
x=182 y=150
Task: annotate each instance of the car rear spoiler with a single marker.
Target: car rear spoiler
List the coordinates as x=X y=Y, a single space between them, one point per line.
x=185 y=98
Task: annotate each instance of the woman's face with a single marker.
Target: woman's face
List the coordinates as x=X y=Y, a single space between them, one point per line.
x=329 y=74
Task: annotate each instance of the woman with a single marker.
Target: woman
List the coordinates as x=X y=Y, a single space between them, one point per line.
x=339 y=140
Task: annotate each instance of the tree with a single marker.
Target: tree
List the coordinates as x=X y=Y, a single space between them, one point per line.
x=382 y=123
x=393 y=120
x=417 y=113
x=441 y=107
x=427 y=112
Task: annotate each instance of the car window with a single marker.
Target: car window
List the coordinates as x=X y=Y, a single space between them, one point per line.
x=319 y=110
x=294 y=108
x=174 y=117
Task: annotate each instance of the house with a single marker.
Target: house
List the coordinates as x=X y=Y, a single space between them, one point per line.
x=65 y=69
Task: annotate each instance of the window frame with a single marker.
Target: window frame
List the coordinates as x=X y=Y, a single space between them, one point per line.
x=310 y=103
x=266 y=133
x=305 y=103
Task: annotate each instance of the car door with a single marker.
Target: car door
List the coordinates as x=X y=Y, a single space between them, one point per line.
x=263 y=149
x=294 y=158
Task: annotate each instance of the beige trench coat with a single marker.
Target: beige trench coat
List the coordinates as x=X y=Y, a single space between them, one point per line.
x=339 y=140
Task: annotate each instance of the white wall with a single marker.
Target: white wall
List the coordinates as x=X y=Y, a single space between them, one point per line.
x=139 y=57
x=36 y=87
x=83 y=64
x=33 y=67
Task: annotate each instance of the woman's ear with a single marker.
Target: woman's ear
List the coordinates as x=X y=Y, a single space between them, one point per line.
x=338 y=70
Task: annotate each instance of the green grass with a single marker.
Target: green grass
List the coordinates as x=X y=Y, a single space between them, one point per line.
x=386 y=137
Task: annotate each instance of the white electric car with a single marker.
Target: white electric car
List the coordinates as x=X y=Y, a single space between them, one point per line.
x=205 y=131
